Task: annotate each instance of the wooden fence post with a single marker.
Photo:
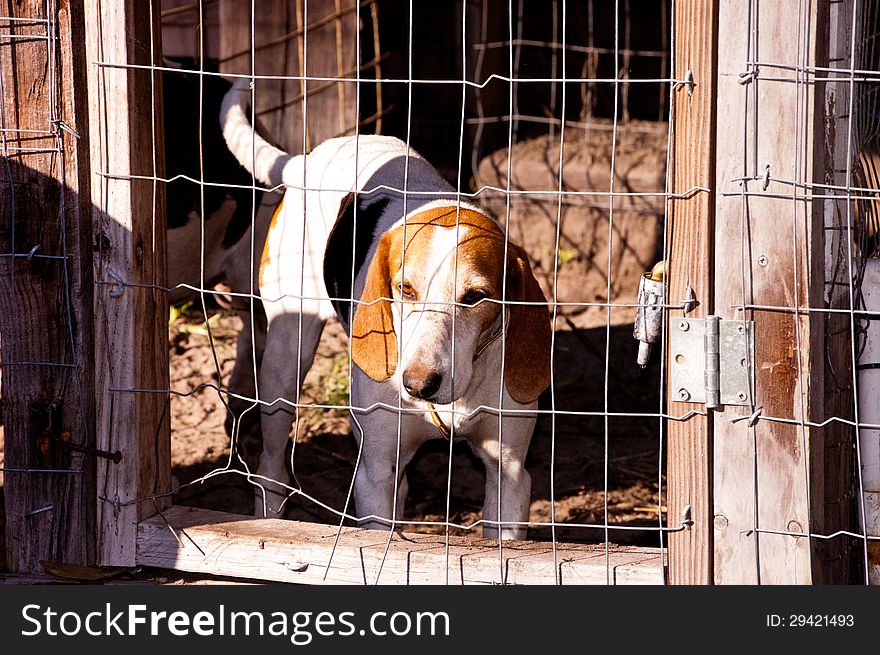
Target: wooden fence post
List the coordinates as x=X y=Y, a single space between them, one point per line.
x=131 y=314
x=690 y=250
x=769 y=487
x=46 y=287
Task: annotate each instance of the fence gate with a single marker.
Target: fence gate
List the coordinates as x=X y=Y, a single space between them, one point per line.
x=761 y=238
x=767 y=425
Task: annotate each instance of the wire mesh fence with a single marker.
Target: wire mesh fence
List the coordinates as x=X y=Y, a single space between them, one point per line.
x=499 y=114
x=641 y=148
x=557 y=121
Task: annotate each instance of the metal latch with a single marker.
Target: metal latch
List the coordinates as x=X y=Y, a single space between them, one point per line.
x=649 y=315
x=712 y=361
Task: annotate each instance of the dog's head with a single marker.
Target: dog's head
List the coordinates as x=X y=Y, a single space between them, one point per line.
x=445 y=274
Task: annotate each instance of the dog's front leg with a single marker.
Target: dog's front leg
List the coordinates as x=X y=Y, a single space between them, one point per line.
x=380 y=484
x=512 y=486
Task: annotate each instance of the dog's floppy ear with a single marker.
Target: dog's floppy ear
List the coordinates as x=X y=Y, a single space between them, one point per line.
x=373 y=341
x=527 y=348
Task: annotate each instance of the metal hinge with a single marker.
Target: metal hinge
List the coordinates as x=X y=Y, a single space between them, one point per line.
x=712 y=361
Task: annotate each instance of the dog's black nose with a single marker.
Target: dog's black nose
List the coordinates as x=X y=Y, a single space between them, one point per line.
x=423 y=385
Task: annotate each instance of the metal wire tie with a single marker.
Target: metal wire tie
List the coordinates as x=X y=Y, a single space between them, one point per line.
x=752 y=418
x=748 y=77
x=119 y=283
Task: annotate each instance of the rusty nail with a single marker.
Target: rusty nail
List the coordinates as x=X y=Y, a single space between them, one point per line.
x=686 y=519
x=116 y=456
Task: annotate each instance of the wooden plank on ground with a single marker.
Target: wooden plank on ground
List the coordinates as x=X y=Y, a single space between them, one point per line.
x=690 y=248
x=772 y=246
x=215 y=543
x=131 y=311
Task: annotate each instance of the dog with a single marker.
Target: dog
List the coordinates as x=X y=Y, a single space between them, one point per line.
x=210 y=227
x=416 y=279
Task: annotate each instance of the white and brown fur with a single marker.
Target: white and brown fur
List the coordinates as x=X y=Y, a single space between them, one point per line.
x=416 y=280
x=211 y=227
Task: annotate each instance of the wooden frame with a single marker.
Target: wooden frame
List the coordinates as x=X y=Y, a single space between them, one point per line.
x=202 y=541
x=46 y=278
x=764 y=473
x=690 y=248
x=131 y=309
x=755 y=489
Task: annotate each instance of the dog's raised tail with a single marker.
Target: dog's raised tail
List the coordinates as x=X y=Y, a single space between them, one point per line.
x=259 y=157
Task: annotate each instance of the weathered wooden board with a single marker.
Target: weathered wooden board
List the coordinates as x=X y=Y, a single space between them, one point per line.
x=45 y=286
x=770 y=254
x=131 y=311
x=313 y=38
x=215 y=543
x=690 y=248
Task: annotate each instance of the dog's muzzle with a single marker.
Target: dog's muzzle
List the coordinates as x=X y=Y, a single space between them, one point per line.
x=421 y=384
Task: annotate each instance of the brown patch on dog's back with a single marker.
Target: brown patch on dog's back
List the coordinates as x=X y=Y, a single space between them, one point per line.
x=264 y=257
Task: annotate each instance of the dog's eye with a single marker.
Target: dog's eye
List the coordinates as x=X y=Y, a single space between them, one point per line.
x=473 y=296
x=406 y=290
